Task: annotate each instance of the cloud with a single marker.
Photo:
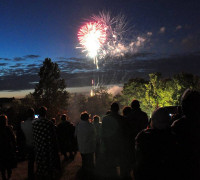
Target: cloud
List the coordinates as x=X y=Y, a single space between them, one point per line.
x=178 y=27
x=149 y=33
x=162 y=30
x=18 y=65
x=31 y=56
x=113 y=71
x=137 y=55
x=3 y=64
x=78 y=65
x=20 y=82
x=74 y=67
x=32 y=65
x=5 y=59
x=18 y=58
x=71 y=59
x=191 y=42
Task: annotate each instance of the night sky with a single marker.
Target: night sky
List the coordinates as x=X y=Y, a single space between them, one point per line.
x=31 y=30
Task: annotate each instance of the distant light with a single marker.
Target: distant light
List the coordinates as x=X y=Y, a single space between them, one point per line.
x=91 y=93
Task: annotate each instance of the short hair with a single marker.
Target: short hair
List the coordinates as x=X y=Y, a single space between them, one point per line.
x=108 y=112
x=126 y=110
x=135 y=104
x=3 y=120
x=160 y=119
x=84 y=116
x=114 y=107
x=30 y=112
x=53 y=120
x=190 y=103
x=42 y=111
x=63 y=117
x=96 y=118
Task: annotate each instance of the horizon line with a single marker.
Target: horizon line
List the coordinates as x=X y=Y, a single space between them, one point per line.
x=22 y=93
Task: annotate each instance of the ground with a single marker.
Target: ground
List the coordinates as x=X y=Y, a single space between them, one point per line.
x=70 y=170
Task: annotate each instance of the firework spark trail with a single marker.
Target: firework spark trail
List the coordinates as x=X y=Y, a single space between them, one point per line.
x=107 y=37
x=118 y=41
x=92 y=36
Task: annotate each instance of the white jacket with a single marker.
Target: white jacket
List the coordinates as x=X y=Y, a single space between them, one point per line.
x=86 y=137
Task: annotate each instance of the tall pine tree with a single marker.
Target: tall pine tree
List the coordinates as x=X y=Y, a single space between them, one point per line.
x=51 y=91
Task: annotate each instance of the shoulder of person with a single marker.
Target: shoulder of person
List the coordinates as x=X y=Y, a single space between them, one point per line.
x=106 y=119
x=35 y=121
x=143 y=113
x=179 y=122
x=106 y=116
x=142 y=135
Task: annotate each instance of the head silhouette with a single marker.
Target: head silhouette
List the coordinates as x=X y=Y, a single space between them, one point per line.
x=96 y=119
x=190 y=103
x=135 y=104
x=30 y=113
x=126 y=110
x=114 y=107
x=42 y=111
x=53 y=120
x=63 y=117
x=160 y=119
x=84 y=116
x=108 y=112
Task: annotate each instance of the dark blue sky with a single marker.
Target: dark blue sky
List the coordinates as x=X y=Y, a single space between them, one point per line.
x=31 y=30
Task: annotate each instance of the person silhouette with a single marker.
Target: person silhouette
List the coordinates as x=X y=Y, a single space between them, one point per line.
x=137 y=121
x=27 y=129
x=86 y=138
x=46 y=147
x=155 y=149
x=187 y=130
x=112 y=140
x=8 y=159
x=65 y=132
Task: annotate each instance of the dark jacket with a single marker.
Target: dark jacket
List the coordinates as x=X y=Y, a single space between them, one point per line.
x=7 y=148
x=187 y=132
x=112 y=136
x=138 y=120
x=65 y=133
x=154 y=154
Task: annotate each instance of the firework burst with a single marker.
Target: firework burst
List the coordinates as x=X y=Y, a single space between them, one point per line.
x=92 y=36
x=107 y=37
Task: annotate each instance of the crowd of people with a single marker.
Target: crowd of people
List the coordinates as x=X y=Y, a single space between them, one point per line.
x=127 y=146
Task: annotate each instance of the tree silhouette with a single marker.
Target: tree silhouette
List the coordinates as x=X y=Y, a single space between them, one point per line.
x=50 y=91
